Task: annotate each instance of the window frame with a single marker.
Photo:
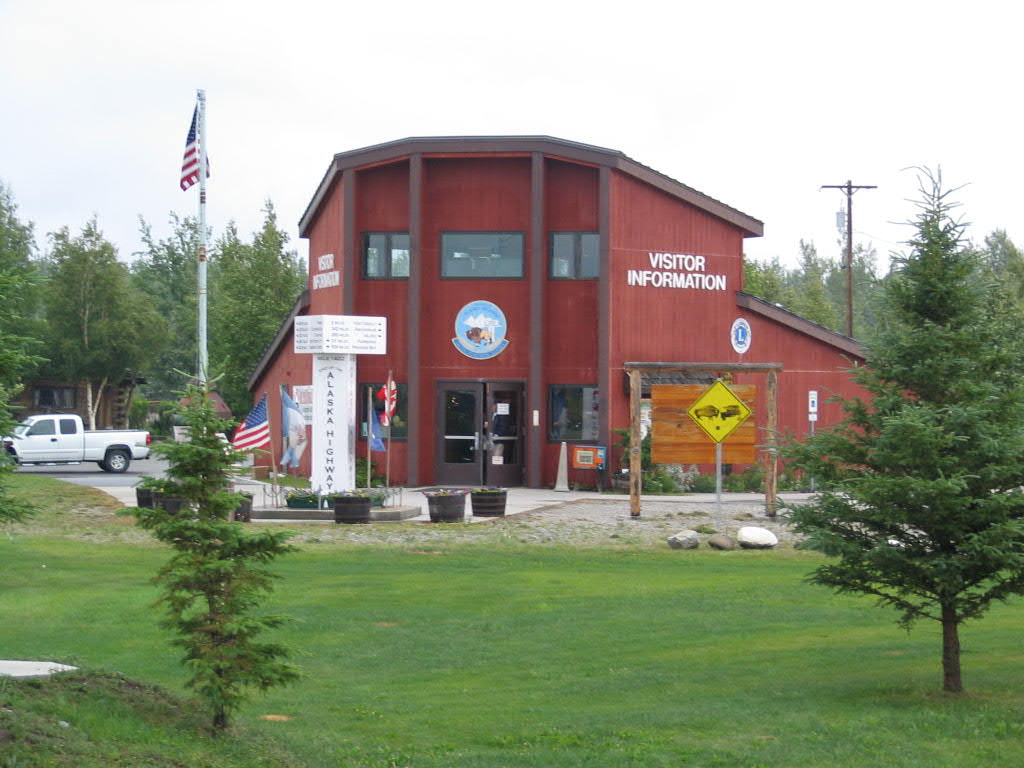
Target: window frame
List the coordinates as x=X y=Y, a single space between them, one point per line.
x=563 y=437
x=577 y=255
x=522 y=254
x=64 y=398
x=388 y=248
x=401 y=411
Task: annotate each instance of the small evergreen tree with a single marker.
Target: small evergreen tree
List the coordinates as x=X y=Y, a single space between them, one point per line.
x=213 y=584
x=925 y=510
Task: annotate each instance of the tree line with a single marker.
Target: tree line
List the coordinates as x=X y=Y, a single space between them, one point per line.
x=93 y=318
x=816 y=289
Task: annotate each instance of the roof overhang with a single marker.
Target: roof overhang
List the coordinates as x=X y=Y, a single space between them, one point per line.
x=784 y=317
x=510 y=146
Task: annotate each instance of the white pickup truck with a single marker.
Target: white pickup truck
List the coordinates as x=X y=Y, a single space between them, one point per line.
x=59 y=438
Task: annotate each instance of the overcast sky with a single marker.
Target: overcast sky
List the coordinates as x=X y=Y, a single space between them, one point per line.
x=756 y=104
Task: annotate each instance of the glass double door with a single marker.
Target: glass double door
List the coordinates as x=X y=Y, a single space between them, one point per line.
x=480 y=433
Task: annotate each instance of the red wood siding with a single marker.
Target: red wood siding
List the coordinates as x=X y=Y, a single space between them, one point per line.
x=325 y=237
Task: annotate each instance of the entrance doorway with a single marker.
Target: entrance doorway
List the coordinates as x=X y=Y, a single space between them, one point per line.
x=480 y=433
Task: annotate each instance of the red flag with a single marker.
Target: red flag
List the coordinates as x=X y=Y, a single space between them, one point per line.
x=389 y=394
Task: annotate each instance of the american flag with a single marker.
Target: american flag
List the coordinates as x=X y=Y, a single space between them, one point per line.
x=254 y=432
x=190 y=164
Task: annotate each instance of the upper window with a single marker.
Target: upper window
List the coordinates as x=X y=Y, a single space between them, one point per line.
x=482 y=254
x=386 y=255
x=575 y=255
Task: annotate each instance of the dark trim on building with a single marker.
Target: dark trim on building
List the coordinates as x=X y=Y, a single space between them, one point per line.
x=521 y=146
x=604 y=306
x=413 y=325
x=348 y=242
x=538 y=275
x=790 y=320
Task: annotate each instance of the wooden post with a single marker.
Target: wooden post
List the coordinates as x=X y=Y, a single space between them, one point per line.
x=771 y=456
x=635 y=466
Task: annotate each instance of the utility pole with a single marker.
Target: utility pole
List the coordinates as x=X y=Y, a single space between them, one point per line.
x=849 y=188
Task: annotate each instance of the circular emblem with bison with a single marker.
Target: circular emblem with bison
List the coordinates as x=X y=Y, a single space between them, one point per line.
x=480 y=330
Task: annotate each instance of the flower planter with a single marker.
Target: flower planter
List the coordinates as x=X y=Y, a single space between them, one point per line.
x=488 y=503
x=447 y=509
x=144 y=498
x=169 y=504
x=243 y=512
x=302 y=503
x=351 y=509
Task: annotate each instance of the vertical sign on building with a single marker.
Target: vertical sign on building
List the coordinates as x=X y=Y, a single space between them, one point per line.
x=334 y=341
x=334 y=427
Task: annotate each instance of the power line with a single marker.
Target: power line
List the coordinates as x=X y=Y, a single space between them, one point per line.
x=849 y=188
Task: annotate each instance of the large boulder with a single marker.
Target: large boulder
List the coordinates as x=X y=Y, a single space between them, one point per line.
x=752 y=537
x=684 y=540
x=721 y=541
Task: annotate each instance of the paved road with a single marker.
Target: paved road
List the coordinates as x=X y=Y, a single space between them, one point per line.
x=120 y=486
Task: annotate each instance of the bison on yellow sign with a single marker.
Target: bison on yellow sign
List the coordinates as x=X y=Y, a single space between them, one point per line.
x=683 y=420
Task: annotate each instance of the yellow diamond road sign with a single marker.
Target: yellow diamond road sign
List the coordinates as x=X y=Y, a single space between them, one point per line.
x=718 y=411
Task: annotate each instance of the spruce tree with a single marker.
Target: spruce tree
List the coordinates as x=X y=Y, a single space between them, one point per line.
x=925 y=510
x=213 y=585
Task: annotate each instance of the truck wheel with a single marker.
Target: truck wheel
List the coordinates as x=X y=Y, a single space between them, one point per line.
x=116 y=461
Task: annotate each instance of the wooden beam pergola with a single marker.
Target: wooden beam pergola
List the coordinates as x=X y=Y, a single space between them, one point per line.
x=634 y=371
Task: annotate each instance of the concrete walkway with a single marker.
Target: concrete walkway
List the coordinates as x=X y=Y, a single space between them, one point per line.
x=518 y=500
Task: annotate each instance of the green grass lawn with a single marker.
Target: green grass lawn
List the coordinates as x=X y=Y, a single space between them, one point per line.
x=502 y=654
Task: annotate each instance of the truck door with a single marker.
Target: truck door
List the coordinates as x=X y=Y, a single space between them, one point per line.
x=52 y=439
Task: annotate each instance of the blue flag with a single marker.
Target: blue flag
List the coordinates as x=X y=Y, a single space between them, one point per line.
x=376 y=444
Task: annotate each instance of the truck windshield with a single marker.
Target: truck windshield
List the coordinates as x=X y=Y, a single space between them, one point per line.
x=22 y=429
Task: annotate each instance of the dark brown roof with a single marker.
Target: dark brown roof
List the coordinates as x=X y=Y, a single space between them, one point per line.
x=797 y=323
x=547 y=145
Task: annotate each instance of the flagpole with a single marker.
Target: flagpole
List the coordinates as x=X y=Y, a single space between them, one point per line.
x=369 y=433
x=387 y=460
x=201 y=271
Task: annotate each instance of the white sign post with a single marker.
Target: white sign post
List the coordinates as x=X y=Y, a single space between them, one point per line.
x=334 y=341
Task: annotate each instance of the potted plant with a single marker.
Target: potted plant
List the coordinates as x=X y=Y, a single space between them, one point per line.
x=302 y=498
x=352 y=506
x=144 y=492
x=446 y=505
x=488 y=502
x=243 y=512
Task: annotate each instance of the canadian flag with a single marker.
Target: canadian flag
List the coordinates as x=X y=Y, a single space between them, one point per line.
x=389 y=394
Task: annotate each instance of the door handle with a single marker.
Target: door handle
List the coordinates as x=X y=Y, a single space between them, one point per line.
x=476 y=441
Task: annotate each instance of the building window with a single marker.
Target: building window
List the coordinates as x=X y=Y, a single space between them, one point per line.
x=482 y=254
x=386 y=255
x=53 y=398
x=575 y=255
x=573 y=410
x=399 y=422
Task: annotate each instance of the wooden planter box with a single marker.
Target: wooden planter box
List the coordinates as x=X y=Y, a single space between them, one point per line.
x=170 y=504
x=243 y=512
x=489 y=504
x=352 y=509
x=446 y=509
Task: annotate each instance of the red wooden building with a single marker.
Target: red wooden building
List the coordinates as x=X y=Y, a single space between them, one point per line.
x=518 y=275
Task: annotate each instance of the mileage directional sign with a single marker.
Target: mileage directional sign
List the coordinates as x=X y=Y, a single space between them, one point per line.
x=718 y=412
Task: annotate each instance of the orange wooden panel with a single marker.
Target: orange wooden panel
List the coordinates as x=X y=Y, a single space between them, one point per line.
x=676 y=438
